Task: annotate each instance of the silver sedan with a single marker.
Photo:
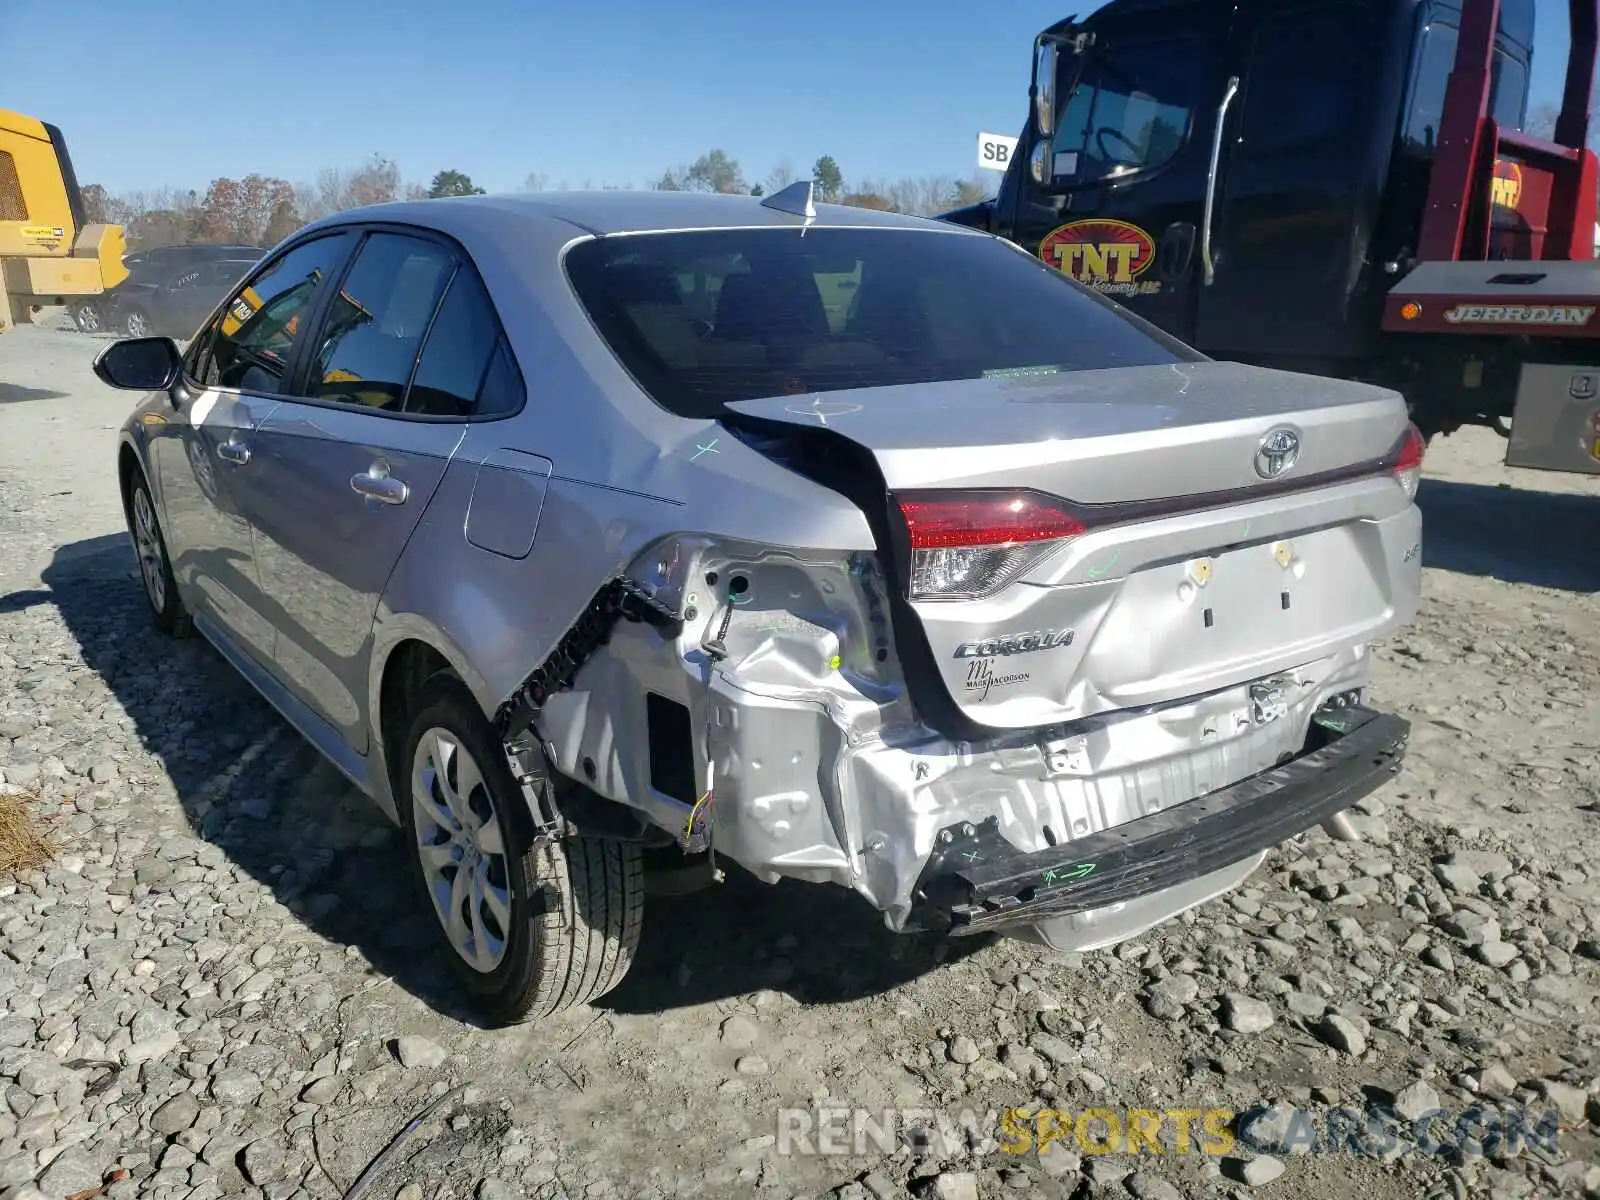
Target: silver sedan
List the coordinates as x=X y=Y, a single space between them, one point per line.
x=582 y=531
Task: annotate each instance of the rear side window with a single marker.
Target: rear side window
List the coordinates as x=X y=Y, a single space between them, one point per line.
x=253 y=340
x=713 y=317
x=373 y=331
x=457 y=375
x=1436 y=56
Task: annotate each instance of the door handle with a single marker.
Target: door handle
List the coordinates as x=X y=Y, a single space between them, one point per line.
x=234 y=452
x=1206 y=261
x=378 y=484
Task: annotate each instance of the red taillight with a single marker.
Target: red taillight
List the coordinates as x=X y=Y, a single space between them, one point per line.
x=1411 y=450
x=1408 y=463
x=966 y=546
x=942 y=523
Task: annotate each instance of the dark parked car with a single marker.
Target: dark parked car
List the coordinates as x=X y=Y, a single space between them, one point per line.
x=177 y=307
x=156 y=266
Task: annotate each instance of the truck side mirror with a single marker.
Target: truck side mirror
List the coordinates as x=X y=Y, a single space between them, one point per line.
x=1044 y=90
x=1041 y=163
x=145 y=364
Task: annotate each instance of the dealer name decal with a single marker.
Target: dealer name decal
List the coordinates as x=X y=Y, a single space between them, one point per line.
x=1520 y=314
x=981 y=677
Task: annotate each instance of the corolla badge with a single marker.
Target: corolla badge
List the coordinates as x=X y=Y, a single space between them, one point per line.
x=1277 y=451
x=1015 y=643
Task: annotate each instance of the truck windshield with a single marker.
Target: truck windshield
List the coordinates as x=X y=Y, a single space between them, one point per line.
x=703 y=319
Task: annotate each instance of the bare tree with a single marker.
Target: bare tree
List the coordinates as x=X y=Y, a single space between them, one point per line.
x=1541 y=121
x=781 y=176
x=328 y=195
x=536 y=182
x=377 y=181
x=96 y=204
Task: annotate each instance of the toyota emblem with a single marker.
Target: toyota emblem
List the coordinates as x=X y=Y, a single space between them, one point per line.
x=1277 y=452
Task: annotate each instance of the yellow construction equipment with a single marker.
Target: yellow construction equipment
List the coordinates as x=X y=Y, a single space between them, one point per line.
x=49 y=252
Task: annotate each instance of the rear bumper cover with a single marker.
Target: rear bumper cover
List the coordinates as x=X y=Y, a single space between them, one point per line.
x=977 y=881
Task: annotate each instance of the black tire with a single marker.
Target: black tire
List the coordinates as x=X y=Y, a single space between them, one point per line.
x=576 y=904
x=167 y=612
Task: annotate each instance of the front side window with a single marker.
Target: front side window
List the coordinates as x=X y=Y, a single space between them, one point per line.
x=252 y=341
x=840 y=308
x=1131 y=108
x=369 y=342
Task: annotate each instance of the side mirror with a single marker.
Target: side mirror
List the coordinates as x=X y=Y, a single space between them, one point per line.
x=145 y=364
x=1044 y=90
x=1041 y=163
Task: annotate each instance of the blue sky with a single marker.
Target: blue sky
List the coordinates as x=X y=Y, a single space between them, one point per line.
x=598 y=93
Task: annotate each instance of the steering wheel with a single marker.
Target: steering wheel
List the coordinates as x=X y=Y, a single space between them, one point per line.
x=1100 y=145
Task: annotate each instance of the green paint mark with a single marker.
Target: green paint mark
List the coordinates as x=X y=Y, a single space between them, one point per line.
x=1099 y=571
x=1070 y=874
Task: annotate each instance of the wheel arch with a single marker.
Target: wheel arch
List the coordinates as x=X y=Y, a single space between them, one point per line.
x=407 y=650
x=130 y=462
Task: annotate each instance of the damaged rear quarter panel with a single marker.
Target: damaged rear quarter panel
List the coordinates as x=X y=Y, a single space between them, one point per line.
x=506 y=614
x=806 y=674
x=624 y=473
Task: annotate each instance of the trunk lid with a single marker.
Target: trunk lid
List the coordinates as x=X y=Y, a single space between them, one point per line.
x=1187 y=569
x=1102 y=437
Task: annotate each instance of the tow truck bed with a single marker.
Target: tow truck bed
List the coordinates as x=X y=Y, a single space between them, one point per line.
x=1555 y=421
x=1499 y=297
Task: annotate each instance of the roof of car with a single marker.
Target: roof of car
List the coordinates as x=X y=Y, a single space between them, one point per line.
x=611 y=212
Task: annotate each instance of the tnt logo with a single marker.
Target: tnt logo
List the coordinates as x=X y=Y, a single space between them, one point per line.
x=1506 y=187
x=1105 y=255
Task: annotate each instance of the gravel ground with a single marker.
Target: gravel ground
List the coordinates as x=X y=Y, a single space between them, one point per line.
x=223 y=986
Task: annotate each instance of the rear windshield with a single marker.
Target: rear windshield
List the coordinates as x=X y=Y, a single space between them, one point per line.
x=712 y=317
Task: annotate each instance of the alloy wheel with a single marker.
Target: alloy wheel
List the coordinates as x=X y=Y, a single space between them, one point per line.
x=461 y=845
x=147 y=542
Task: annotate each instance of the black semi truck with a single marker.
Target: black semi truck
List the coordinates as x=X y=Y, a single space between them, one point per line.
x=1335 y=186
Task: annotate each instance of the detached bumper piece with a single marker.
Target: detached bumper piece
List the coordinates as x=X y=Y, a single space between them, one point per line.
x=977 y=881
